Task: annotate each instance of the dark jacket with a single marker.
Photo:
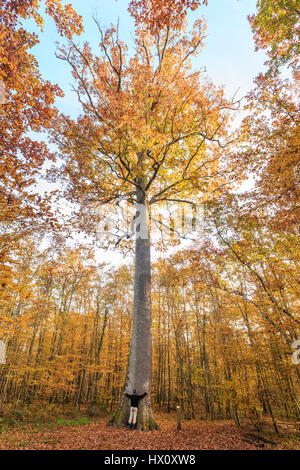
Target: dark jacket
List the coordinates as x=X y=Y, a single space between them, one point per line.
x=134 y=399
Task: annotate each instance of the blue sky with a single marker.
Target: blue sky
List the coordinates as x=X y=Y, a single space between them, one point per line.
x=229 y=54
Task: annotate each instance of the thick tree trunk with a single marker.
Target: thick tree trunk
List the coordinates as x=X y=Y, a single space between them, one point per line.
x=139 y=371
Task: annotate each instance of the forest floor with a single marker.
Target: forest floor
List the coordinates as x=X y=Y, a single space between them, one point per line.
x=94 y=434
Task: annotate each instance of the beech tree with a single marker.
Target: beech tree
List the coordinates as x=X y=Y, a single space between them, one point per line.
x=158 y=14
x=152 y=130
x=27 y=104
x=276 y=29
x=271 y=148
x=225 y=315
x=223 y=321
x=28 y=101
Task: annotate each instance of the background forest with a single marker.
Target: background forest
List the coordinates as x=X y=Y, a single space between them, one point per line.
x=225 y=313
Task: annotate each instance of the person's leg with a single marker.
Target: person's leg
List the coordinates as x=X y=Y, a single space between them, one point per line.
x=131 y=416
x=134 y=417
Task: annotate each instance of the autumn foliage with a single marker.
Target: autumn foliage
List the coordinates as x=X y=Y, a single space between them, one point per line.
x=158 y=14
x=276 y=29
x=28 y=106
x=152 y=129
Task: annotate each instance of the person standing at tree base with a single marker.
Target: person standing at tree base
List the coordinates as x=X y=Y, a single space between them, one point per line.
x=134 y=403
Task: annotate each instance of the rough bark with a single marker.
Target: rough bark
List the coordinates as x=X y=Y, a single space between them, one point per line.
x=139 y=371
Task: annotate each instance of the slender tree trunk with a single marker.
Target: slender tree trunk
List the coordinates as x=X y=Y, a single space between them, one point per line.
x=98 y=352
x=139 y=370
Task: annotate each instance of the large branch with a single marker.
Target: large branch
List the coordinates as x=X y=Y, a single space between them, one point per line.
x=118 y=72
x=258 y=277
x=263 y=314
